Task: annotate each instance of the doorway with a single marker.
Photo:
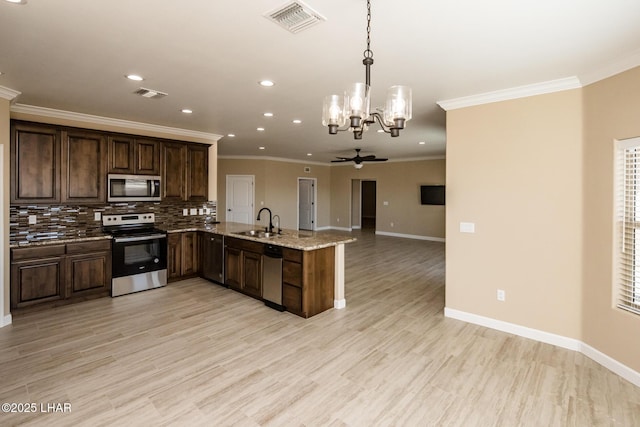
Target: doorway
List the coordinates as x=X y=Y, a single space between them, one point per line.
x=306 y=203
x=239 y=199
x=368 y=206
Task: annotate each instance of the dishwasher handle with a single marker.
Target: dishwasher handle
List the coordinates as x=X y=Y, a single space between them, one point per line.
x=273 y=251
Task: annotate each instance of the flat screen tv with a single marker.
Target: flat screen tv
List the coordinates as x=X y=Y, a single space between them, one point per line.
x=432 y=194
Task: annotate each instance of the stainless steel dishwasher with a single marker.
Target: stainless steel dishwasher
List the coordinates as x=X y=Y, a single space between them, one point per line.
x=272 y=277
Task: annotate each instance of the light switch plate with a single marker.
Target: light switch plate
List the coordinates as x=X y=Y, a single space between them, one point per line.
x=200 y=211
x=33 y=219
x=97 y=216
x=185 y=212
x=193 y=211
x=467 y=227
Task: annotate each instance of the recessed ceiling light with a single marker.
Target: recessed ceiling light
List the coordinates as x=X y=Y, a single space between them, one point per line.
x=297 y=121
x=260 y=129
x=268 y=114
x=134 y=77
x=18 y=1
x=309 y=154
x=421 y=143
x=380 y=131
x=266 y=83
x=186 y=111
x=260 y=148
x=231 y=135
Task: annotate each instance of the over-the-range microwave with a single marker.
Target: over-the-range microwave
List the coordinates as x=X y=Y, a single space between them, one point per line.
x=133 y=188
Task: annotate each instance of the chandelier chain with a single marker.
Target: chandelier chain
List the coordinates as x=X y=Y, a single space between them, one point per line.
x=368 y=53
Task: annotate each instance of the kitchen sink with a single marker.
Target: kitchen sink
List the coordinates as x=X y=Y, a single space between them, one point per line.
x=257 y=233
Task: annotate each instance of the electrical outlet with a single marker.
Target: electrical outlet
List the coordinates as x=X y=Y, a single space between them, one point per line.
x=200 y=211
x=338 y=220
x=193 y=211
x=185 y=212
x=501 y=295
x=391 y=224
x=33 y=219
x=207 y=211
x=97 y=216
x=385 y=203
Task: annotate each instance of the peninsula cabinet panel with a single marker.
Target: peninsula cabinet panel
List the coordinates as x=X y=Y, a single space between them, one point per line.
x=308 y=280
x=84 y=157
x=174 y=162
x=197 y=172
x=35 y=164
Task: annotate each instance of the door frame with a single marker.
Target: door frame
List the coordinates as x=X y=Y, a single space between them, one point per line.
x=227 y=192
x=314 y=211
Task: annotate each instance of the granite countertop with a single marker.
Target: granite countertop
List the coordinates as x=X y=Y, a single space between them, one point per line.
x=295 y=239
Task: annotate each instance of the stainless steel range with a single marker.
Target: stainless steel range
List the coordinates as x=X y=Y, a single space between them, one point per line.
x=139 y=253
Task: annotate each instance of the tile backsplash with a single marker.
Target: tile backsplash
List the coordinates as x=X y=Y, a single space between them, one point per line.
x=59 y=222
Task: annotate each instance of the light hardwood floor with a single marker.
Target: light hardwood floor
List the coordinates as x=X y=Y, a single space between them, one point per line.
x=195 y=353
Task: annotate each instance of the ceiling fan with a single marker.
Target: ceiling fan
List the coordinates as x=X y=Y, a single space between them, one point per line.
x=359 y=159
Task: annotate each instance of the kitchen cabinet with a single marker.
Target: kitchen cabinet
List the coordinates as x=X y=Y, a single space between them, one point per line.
x=45 y=274
x=35 y=163
x=308 y=280
x=173 y=166
x=182 y=255
x=243 y=266
x=197 y=172
x=212 y=257
x=88 y=268
x=83 y=167
x=137 y=156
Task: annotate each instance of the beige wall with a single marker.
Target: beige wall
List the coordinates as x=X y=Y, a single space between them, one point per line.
x=397 y=183
x=612 y=111
x=514 y=168
x=276 y=187
x=4 y=214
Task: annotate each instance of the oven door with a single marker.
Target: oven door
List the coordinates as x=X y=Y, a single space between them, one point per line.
x=139 y=254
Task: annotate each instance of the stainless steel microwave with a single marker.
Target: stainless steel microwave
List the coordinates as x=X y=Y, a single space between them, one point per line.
x=133 y=188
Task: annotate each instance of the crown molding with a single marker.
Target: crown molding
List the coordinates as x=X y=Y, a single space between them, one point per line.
x=275 y=159
x=512 y=93
x=9 y=94
x=107 y=121
x=622 y=64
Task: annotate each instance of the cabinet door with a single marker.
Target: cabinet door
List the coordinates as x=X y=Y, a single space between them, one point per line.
x=197 y=172
x=147 y=157
x=88 y=274
x=35 y=164
x=233 y=267
x=174 y=160
x=252 y=273
x=121 y=154
x=189 y=253
x=174 y=256
x=83 y=167
x=37 y=281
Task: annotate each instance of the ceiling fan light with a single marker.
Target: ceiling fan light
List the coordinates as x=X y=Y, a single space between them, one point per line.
x=358 y=165
x=397 y=109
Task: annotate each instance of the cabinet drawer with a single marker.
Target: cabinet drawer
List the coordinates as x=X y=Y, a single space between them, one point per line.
x=292 y=298
x=294 y=255
x=91 y=246
x=37 y=252
x=292 y=273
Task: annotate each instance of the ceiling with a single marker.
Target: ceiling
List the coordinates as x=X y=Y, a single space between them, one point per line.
x=208 y=56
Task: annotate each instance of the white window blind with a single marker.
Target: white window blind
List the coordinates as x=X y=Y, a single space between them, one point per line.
x=627 y=291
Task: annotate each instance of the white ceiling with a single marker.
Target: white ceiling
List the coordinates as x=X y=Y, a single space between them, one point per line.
x=208 y=55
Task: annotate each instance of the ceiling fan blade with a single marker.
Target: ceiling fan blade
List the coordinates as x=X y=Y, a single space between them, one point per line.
x=367 y=158
x=340 y=161
x=376 y=160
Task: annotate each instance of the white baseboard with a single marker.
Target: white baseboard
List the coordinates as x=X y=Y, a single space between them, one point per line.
x=322 y=228
x=548 y=338
x=339 y=303
x=411 y=236
x=6 y=320
x=356 y=227
x=341 y=228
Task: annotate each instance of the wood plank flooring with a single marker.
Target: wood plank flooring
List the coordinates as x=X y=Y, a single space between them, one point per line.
x=195 y=353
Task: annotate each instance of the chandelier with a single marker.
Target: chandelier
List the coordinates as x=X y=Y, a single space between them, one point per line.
x=352 y=109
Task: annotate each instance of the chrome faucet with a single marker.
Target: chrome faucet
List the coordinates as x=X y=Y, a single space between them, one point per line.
x=270 y=218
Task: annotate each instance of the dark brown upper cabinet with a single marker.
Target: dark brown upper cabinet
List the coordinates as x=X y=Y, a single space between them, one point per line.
x=35 y=163
x=197 y=172
x=84 y=155
x=174 y=165
x=128 y=155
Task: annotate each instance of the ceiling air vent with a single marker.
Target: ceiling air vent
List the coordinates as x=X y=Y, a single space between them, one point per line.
x=295 y=16
x=150 y=93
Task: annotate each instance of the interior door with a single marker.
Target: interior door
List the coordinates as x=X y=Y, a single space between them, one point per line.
x=306 y=204
x=240 y=199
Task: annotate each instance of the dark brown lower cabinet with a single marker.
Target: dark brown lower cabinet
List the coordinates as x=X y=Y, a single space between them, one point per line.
x=182 y=255
x=243 y=266
x=44 y=274
x=233 y=267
